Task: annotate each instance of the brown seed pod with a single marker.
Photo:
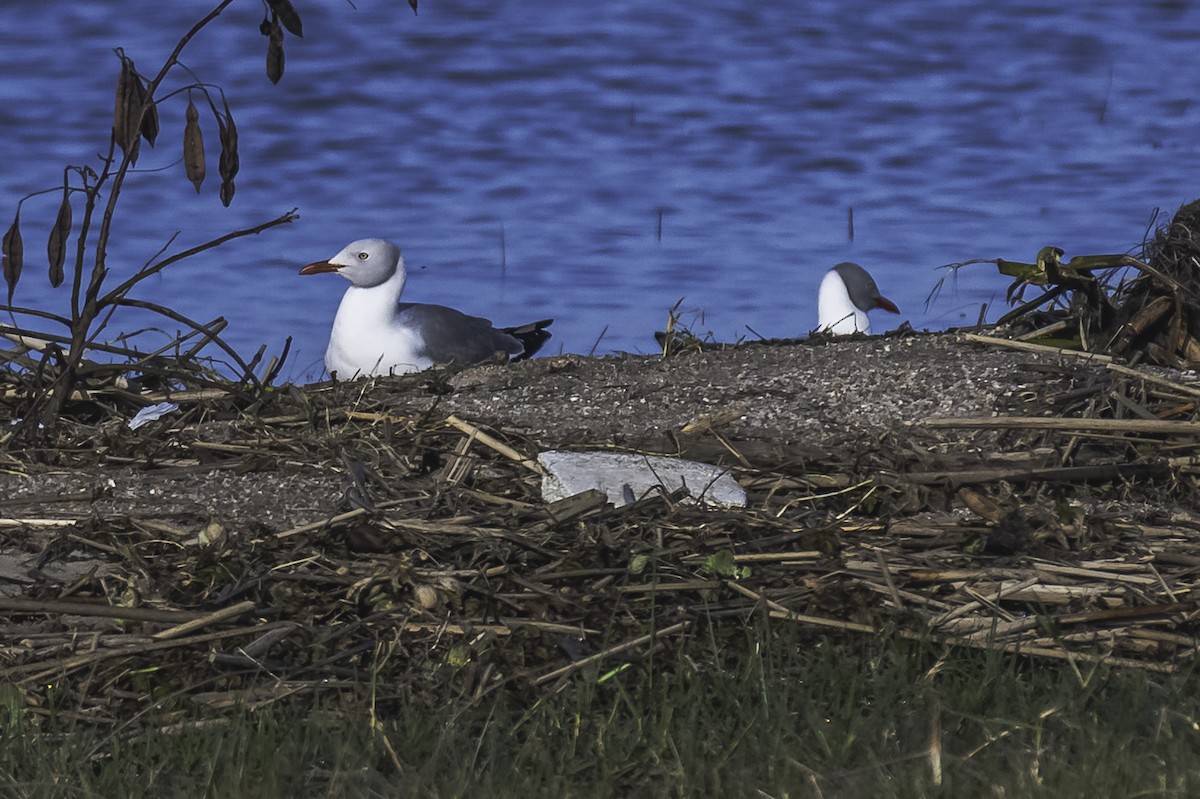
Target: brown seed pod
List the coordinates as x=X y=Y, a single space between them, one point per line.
x=288 y=16
x=56 y=249
x=231 y=131
x=12 y=253
x=149 y=129
x=228 y=164
x=125 y=110
x=275 y=50
x=193 y=147
x=223 y=140
x=227 y=132
x=129 y=120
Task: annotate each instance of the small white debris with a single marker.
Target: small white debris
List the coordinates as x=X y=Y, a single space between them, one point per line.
x=627 y=477
x=150 y=413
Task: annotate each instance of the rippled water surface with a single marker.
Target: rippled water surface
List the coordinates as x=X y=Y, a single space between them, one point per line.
x=597 y=162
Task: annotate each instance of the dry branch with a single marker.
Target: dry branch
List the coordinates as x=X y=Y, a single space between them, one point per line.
x=389 y=574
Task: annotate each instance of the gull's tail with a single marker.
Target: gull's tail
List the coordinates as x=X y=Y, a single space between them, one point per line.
x=532 y=336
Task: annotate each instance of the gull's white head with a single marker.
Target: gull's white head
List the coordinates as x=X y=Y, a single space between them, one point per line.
x=365 y=263
x=847 y=292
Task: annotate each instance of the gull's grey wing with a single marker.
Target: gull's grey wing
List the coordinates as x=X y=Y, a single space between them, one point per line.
x=451 y=335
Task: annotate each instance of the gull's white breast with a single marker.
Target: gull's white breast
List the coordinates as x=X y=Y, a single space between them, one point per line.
x=366 y=340
x=838 y=313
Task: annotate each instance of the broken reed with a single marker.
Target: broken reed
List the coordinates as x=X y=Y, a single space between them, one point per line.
x=1138 y=309
x=437 y=566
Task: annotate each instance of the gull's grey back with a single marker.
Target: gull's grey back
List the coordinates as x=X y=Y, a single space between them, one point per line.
x=451 y=335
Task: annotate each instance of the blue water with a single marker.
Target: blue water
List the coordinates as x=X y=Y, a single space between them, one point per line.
x=599 y=162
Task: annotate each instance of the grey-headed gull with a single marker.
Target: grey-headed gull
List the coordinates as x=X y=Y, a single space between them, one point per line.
x=847 y=292
x=376 y=334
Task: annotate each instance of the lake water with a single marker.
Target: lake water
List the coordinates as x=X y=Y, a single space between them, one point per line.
x=599 y=162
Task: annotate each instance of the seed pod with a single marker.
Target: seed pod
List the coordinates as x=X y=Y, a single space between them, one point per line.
x=226 y=165
x=229 y=163
x=193 y=147
x=288 y=16
x=120 y=133
x=129 y=119
x=56 y=249
x=125 y=110
x=275 y=50
x=413 y=3
x=149 y=129
x=12 y=253
x=227 y=131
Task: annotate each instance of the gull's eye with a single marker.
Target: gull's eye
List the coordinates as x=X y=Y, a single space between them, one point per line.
x=362 y=256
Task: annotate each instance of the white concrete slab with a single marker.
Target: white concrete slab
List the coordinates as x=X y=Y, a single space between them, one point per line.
x=627 y=477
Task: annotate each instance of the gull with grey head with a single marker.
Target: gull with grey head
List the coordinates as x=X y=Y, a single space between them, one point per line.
x=376 y=334
x=847 y=292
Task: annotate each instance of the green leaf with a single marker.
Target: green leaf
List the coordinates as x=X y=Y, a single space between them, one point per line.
x=721 y=563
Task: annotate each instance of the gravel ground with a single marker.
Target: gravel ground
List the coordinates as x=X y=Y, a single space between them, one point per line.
x=812 y=396
x=797 y=391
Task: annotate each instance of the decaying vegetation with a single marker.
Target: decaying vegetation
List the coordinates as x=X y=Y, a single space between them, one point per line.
x=397 y=551
x=1141 y=310
x=1058 y=530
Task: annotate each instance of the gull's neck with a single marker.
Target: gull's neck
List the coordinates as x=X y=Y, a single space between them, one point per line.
x=836 y=312
x=371 y=307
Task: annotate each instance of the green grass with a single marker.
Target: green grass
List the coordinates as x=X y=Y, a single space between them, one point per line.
x=802 y=718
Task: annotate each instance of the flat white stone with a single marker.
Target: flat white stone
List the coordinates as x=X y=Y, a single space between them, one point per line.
x=627 y=477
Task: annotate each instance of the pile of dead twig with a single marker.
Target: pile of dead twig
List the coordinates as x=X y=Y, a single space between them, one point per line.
x=444 y=571
x=1138 y=309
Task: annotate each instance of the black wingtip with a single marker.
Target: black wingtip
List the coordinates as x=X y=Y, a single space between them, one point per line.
x=532 y=336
